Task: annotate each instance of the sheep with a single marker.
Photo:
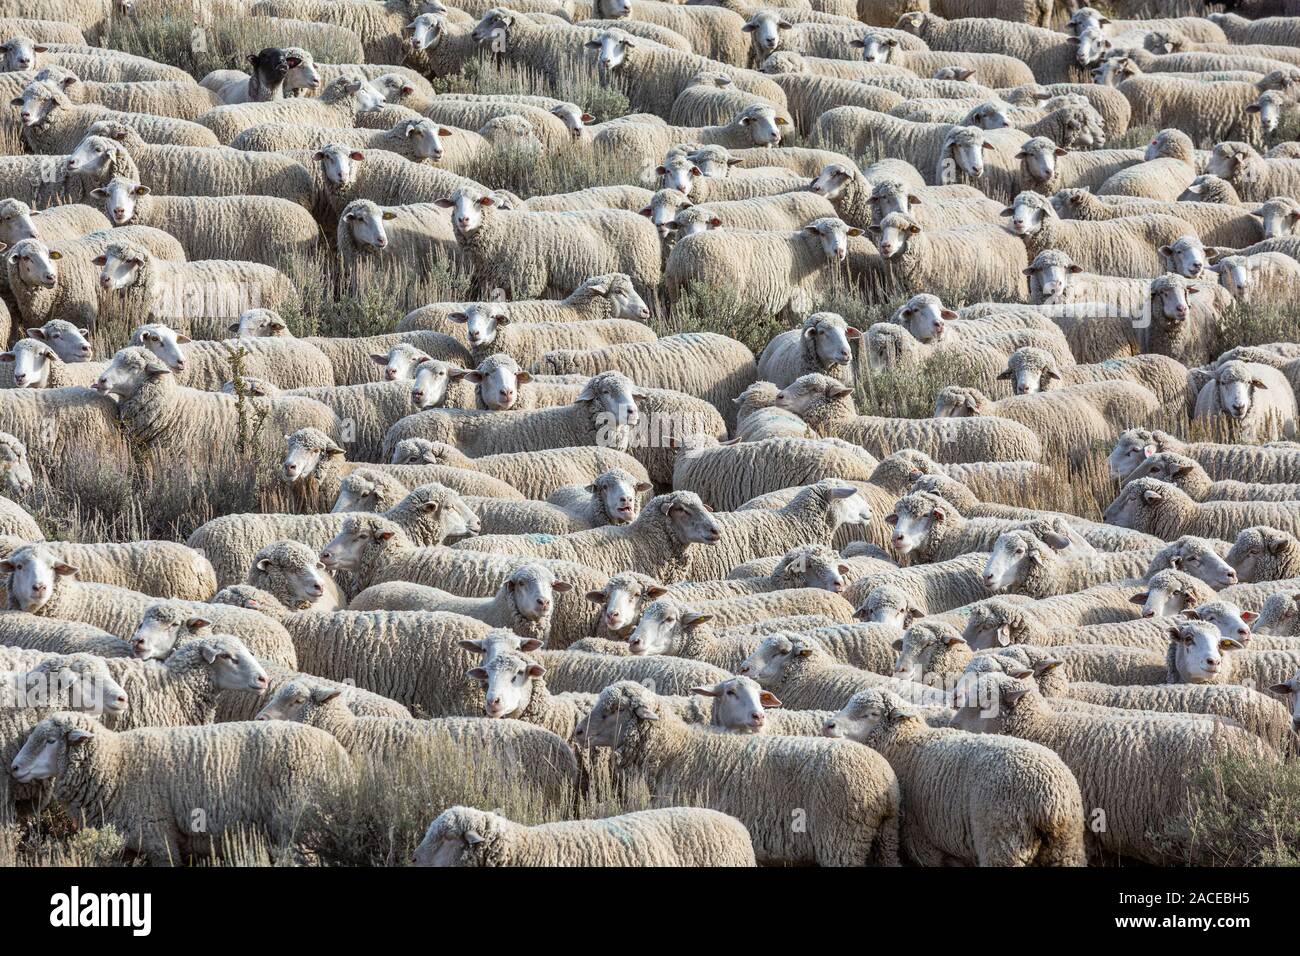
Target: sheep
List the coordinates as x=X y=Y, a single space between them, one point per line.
x=1217 y=224
x=540 y=474
x=338 y=104
x=266 y=81
x=180 y=99
x=1126 y=246
x=254 y=229
x=315 y=464
x=429 y=514
x=1278 y=616
x=1221 y=461
x=1165 y=510
x=1067 y=420
x=290 y=571
x=1262 y=277
x=927 y=528
x=417 y=236
x=812 y=86
x=523 y=603
x=994 y=69
x=1044 y=51
x=804 y=675
x=35 y=365
x=888 y=195
x=757 y=417
x=1032 y=370
x=1239 y=29
x=19 y=221
x=283 y=363
x=104 y=778
x=1255 y=178
x=680 y=218
x=1191 y=477
x=90 y=63
x=827 y=406
x=527 y=253
x=758 y=125
x=610 y=411
x=675 y=836
x=1233 y=396
x=680 y=172
x=137 y=286
x=370 y=409
x=657 y=542
x=1206 y=112
x=923 y=259
x=610 y=296
x=1169 y=165
x=113 y=148
x=1263 y=554
x=1202 y=559
x=797 y=265
x=416 y=140
x=395 y=748
x=1108 y=754
x=726 y=476
x=54 y=124
x=1198 y=653
x=354 y=357
x=703 y=364
x=1046 y=167
x=710 y=100
x=943 y=771
x=1021 y=564
x=855 y=826
x=44 y=290
x=164 y=569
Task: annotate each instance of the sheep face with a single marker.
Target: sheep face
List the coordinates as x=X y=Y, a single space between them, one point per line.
x=924 y=316
x=1290 y=689
x=912 y=525
x=357 y=492
x=765 y=30
x=67 y=341
x=679 y=173
x=507 y=682
x=1228 y=160
x=831 y=181
x=498 y=384
x=1136 y=503
x=1049 y=276
x=307 y=448
x=989 y=627
x=619 y=495
x=1280 y=616
x=830 y=337
x=714 y=161
x=77 y=682
x=1278 y=218
x=1237 y=394
x=365 y=224
x=294 y=699
x=468 y=209
x=1090 y=46
x=1237 y=274
x=986 y=700
x=762 y=124
x=615 y=397
x=400 y=362
x=339 y=164
x=1187 y=257
x=429 y=389
x=865 y=712
x=664 y=206
x=19 y=53
x=1170 y=300
x=890 y=196
x=36 y=104
x=36 y=264
x=625 y=301
x=1250 y=548
x=1133 y=448
x=739 y=704
x=771 y=658
x=159 y=630
x=119 y=268
x=1197 y=557
x=163 y=342
x=622 y=599
x=887 y=345
x=461 y=836
x=304 y=576
x=617 y=714
x=805 y=392
x=303 y=77
x=1027 y=213
x=893 y=233
x=1113 y=71
x=16 y=222
x=45 y=753
x=1269 y=110
x=663 y=627
x=1168 y=467
x=260 y=323
x=887 y=605
x=345 y=550
x=966 y=147
x=612 y=48
x=815 y=571
x=1230 y=620
x=31 y=361
x=1038 y=158
x=572 y=116
x=876 y=47
x=424 y=32
x=129 y=371
x=1165 y=596
x=531 y=589
x=32 y=571
x=1010 y=557
x=1201 y=652
x=119 y=197
x=1030 y=371
x=915 y=648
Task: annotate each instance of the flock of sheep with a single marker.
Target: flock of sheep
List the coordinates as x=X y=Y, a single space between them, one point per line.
x=523 y=552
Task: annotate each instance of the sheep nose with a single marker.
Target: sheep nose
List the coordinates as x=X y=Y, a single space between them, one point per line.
x=261 y=680
x=417 y=395
x=743 y=669
x=543 y=604
x=20 y=377
x=1182 y=311
x=988 y=579
x=1232 y=577
x=758 y=717
x=613 y=619
x=390 y=373
x=38 y=588
x=838 y=587
x=507 y=396
x=1148 y=613
x=898 y=540
x=1243 y=632
x=180 y=365
x=290 y=470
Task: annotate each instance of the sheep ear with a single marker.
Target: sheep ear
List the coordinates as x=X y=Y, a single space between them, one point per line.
x=692 y=619
x=1151 y=496
x=1248 y=616
x=768 y=699
x=1003 y=635
x=471 y=645
x=897 y=644
x=323 y=695
x=477 y=673
x=1256 y=383
x=1282 y=689
x=209 y=652
x=1009 y=211
x=561 y=587
x=64 y=570
x=642 y=486
x=76 y=737
x=1055 y=540
x=264 y=564
x=655 y=591
x=705 y=691
x=596 y=597
x=1006 y=375
x=6 y=565
x=645 y=713
x=197 y=623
